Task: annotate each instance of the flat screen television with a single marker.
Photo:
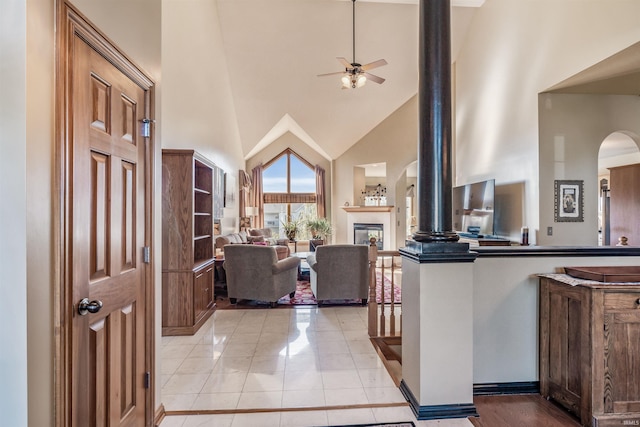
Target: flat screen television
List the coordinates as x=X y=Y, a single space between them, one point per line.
x=472 y=208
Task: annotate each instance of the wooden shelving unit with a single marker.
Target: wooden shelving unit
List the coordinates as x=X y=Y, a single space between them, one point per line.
x=187 y=241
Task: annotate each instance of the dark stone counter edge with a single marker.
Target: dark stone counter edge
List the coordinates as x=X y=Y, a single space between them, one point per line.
x=556 y=251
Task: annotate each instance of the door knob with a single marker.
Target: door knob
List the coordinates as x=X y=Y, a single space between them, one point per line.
x=85 y=306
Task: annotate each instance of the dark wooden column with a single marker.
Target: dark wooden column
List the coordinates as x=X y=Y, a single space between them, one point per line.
x=434 y=123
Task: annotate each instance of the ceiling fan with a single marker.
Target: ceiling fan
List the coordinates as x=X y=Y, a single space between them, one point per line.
x=355 y=74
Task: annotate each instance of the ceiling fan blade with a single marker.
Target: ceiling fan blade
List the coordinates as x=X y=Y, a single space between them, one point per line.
x=374 y=78
x=331 y=74
x=344 y=62
x=374 y=64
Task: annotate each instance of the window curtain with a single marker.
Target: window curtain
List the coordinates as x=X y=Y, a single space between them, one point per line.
x=245 y=188
x=257 y=198
x=320 y=193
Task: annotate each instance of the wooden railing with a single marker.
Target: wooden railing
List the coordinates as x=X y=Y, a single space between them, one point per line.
x=379 y=311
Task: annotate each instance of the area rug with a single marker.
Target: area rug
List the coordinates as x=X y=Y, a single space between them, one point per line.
x=304 y=296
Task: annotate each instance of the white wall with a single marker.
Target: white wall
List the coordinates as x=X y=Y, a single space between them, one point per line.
x=513 y=51
x=505 y=312
x=13 y=247
x=394 y=142
x=39 y=185
x=572 y=128
x=197 y=108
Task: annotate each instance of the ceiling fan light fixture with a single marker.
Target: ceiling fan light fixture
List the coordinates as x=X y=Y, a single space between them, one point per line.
x=355 y=74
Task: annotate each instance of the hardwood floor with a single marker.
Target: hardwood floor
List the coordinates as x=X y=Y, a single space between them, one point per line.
x=522 y=410
x=528 y=410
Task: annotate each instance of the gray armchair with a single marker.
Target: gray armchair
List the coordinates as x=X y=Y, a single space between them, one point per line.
x=340 y=272
x=255 y=273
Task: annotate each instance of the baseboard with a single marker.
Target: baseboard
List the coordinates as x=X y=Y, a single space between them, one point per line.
x=159 y=415
x=435 y=412
x=522 y=387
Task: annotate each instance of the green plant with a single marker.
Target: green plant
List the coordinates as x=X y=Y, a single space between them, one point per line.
x=291 y=227
x=320 y=228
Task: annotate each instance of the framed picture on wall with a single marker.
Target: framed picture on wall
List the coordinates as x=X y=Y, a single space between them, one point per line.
x=569 y=201
x=218 y=192
x=229 y=191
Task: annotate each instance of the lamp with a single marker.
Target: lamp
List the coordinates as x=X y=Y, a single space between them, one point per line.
x=353 y=80
x=245 y=222
x=251 y=211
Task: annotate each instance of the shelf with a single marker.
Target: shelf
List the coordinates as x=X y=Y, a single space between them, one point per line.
x=201 y=191
x=368 y=208
x=198 y=264
x=187 y=242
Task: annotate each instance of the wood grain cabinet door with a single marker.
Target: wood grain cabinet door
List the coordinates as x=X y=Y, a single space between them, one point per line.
x=203 y=291
x=621 y=347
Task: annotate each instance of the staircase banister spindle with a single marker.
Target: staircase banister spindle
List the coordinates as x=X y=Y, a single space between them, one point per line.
x=372 y=306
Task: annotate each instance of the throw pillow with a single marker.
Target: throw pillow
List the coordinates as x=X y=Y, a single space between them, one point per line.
x=254 y=239
x=271 y=241
x=266 y=232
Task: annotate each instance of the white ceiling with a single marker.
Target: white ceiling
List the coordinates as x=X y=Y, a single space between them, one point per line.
x=276 y=48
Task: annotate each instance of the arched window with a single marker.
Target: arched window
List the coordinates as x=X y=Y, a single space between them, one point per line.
x=289 y=188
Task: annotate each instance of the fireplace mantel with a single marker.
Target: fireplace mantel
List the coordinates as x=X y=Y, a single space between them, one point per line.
x=368 y=208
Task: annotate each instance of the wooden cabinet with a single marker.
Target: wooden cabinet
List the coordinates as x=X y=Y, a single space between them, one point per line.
x=187 y=241
x=590 y=349
x=203 y=290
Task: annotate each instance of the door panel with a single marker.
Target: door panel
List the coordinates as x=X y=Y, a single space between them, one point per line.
x=107 y=234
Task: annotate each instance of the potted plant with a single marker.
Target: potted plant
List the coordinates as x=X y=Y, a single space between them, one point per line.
x=290 y=228
x=320 y=228
x=313 y=225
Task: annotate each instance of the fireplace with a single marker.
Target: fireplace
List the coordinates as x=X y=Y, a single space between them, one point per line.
x=363 y=232
x=379 y=216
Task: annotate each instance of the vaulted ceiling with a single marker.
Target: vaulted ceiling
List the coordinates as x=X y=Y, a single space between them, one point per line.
x=276 y=48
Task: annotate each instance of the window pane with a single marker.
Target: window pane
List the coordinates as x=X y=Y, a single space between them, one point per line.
x=274 y=215
x=274 y=177
x=302 y=212
x=303 y=178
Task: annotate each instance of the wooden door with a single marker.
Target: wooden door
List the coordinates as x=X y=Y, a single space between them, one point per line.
x=106 y=223
x=621 y=383
x=624 y=204
x=563 y=344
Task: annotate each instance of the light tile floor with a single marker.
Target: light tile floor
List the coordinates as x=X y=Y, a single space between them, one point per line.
x=281 y=358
